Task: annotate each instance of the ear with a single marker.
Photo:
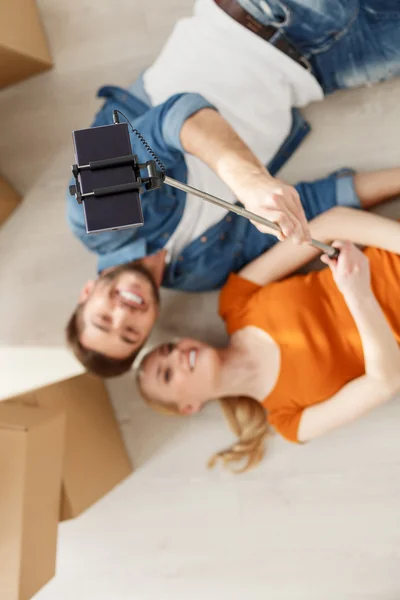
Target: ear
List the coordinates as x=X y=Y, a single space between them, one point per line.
x=86 y=290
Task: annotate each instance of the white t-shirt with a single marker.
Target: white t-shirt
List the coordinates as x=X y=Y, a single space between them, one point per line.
x=252 y=84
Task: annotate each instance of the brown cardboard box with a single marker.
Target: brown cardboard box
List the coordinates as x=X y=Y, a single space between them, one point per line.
x=95 y=458
x=23 y=46
x=9 y=200
x=31 y=455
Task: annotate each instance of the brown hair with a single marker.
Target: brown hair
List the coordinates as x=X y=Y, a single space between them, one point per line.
x=95 y=362
x=246 y=417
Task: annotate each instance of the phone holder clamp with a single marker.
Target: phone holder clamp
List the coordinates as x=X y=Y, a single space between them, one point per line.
x=151 y=181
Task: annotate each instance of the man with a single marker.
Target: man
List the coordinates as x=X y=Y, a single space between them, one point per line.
x=218 y=104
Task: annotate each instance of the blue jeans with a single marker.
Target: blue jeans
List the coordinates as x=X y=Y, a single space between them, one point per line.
x=348 y=43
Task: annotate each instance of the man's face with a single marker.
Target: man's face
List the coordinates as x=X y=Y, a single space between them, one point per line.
x=119 y=311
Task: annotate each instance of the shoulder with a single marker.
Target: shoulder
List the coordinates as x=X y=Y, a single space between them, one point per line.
x=234 y=299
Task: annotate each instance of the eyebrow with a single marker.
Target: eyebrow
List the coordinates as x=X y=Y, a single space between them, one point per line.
x=106 y=330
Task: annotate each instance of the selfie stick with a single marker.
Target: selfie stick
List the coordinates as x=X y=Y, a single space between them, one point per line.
x=329 y=250
x=155 y=178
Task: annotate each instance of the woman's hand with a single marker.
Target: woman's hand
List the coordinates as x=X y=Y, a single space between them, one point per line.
x=350 y=270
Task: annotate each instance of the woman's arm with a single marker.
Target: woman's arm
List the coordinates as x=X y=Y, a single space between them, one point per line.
x=359 y=227
x=380 y=382
x=381 y=353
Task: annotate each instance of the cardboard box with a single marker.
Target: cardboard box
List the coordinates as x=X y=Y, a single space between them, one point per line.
x=31 y=456
x=95 y=459
x=23 y=46
x=9 y=200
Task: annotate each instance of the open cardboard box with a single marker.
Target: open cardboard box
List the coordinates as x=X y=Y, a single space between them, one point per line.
x=49 y=474
x=31 y=462
x=23 y=46
x=95 y=458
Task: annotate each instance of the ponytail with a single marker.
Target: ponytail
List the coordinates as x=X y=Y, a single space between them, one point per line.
x=248 y=420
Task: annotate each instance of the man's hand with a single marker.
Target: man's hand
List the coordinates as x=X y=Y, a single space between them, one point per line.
x=279 y=203
x=207 y=135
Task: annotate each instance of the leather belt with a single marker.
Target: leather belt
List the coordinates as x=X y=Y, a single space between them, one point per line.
x=266 y=32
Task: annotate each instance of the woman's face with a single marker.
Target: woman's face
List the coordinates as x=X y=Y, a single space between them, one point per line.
x=183 y=373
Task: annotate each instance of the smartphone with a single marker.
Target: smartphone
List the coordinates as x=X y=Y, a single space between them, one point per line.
x=115 y=211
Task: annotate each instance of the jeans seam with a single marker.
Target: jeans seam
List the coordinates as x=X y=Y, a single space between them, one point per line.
x=337 y=36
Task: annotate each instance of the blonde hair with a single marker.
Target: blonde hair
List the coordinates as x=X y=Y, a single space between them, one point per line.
x=247 y=419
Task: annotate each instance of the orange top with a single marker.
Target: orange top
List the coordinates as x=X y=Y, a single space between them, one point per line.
x=308 y=318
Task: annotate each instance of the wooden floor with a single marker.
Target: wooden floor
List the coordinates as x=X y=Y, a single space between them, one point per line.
x=320 y=522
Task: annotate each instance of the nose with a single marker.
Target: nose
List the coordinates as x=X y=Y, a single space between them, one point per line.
x=179 y=358
x=118 y=317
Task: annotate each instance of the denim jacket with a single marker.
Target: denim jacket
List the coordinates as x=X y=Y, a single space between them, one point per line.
x=225 y=247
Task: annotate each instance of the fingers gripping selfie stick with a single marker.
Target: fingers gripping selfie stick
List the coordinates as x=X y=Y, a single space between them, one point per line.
x=116 y=173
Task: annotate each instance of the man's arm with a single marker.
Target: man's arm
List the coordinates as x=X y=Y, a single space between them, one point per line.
x=360 y=227
x=161 y=126
x=209 y=136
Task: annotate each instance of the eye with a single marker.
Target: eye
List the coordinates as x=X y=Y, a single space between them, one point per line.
x=167 y=375
x=167 y=349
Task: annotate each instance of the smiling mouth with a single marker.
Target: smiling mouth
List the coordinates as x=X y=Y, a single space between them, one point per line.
x=192 y=359
x=131 y=298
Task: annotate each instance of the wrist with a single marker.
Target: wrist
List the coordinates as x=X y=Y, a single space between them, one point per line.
x=360 y=297
x=242 y=173
x=248 y=181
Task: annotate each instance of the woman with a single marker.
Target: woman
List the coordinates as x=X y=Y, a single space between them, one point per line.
x=313 y=351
